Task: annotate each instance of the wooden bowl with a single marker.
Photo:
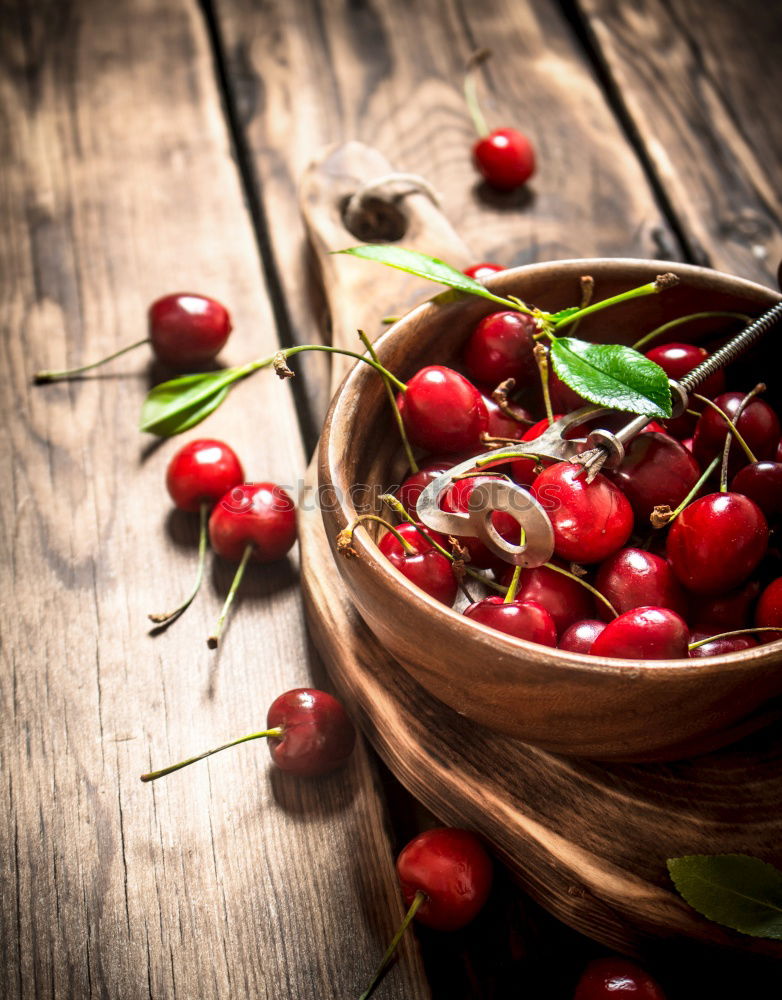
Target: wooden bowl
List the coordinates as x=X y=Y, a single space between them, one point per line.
x=620 y=709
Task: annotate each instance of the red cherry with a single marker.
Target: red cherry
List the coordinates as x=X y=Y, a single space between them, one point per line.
x=580 y=637
x=716 y=542
x=188 y=330
x=719 y=647
x=768 y=613
x=758 y=425
x=415 y=484
x=202 y=471
x=521 y=619
x=460 y=498
x=483 y=270
x=563 y=398
x=634 y=578
x=656 y=471
x=453 y=871
x=309 y=733
x=644 y=633
x=442 y=411
x=565 y=599
x=615 y=979
x=425 y=566
x=500 y=424
x=501 y=347
x=778 y=453
x=761 y=482
x=677 y=360
x=725 y=612
x=505 y=158
x=590 y=520
x=523 y=469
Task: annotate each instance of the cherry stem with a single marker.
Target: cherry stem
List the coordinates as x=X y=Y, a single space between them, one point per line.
x=202 y=537
x=419 y=898
x=500 y=397
x=289 y=352
x=513 y=589
x=392 y=400
x=760 y=387
x=688 y=499
x=731 y=424
x=214 y=639
x=592 y=590
x=471 y=91
x=409 y=549
x=275 y=733
x=587 y=291
x=729 y=635
x=687 y=319
x=541 y=357
x=53 y=376
x=651 y=288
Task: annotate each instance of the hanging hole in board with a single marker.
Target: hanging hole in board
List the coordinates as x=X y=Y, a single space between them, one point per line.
x=376 y=221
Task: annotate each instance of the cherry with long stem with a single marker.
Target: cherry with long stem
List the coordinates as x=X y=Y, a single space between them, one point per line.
x=67 y=373
x=274 y=733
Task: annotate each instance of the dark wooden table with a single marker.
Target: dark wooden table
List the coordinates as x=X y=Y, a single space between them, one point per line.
x=153 y=145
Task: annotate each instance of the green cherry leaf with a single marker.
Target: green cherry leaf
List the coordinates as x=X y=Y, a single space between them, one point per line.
x=613 y=376
x=424 y=266
x=181 y=403
x=734 y=890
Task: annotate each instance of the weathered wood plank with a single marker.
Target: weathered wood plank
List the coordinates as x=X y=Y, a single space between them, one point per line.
x=228 y=879
x=700 y=84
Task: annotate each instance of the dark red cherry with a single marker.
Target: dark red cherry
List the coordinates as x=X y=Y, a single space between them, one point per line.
x=442 y=411
x=677 y=360
x=565 y=599
x=580 y=636
x=521 y=619
x=758 y=425
x=719 y=647
x=590 y=520
x=202 y=471
x=260 y=515
x=778 y=453
x=768 y=613
x=646 y=634
x=634 y=578
x=452 y=870
x=188 y=330
x=716 y=542
x=656 y=471
x=414 y=485
x=460 y=498
x=505 y=158
x=425 y=566
x=501 y=347
x=616 y=979
x=563 y=398
x=761 y=482
x=523 y=469
x=503 y=426
x=725 y=612
x=482 y=270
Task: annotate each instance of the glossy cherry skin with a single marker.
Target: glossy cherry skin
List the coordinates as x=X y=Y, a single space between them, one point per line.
x=778 y=453
x=761 y=482
x=719 y=647
x=676 y=360
x=590 y=520
x=768 y=613
x=634 y=578
x=452 y=869
x=563 y=398
x=616 y=979
x=716 y=542
x=414 y=484
x=483 y=270
x=442 y=411
x=645 y=634
x=188 y=330
x=317 y=734
x=501 y=347
x=257 y=514
x=426 y=568
x=724 y=612
x=523 y=469
x=202 y=471
x=522 y=619
x=758 y=425
x=656 y=471
x=565 y=599
x=503 y=426
x=505 y=159
x=460 y=498
x=580 y=636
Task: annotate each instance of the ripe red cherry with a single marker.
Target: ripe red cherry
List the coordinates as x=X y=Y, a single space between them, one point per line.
x=616 y=979
x=768 y=613
x=504 y=158
x=644 y=633
x=424 y=565
x=677 y=360
x=724 y=612
x=501 y=347
x=414 y=485
x=580 y=636
x=634 y=578
x=716 y=542
x=202 y=471
x=656 y=471
x=500 y=424
x=482 y=270
x=761 y=482
x=719 y=647
x=521 y=619
x=563 y=398
x=442 y=411
x=188 y=330
x=590 y=520
x=565 y=599
x=460 y=498
x=758 y=425
x=309 y=733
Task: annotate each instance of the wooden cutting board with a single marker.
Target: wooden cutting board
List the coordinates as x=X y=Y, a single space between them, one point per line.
x=587 y=840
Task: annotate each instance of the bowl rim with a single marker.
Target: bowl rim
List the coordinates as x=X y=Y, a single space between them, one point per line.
x=768 y=655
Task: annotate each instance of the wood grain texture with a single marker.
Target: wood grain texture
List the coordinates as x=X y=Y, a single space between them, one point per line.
x=228 y=879
x=699 y=82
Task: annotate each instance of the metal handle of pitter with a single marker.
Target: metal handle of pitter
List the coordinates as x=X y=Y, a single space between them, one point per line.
x=599 y=448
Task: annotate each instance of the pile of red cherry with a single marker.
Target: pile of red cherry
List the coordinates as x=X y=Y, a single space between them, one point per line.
x=636 y=590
